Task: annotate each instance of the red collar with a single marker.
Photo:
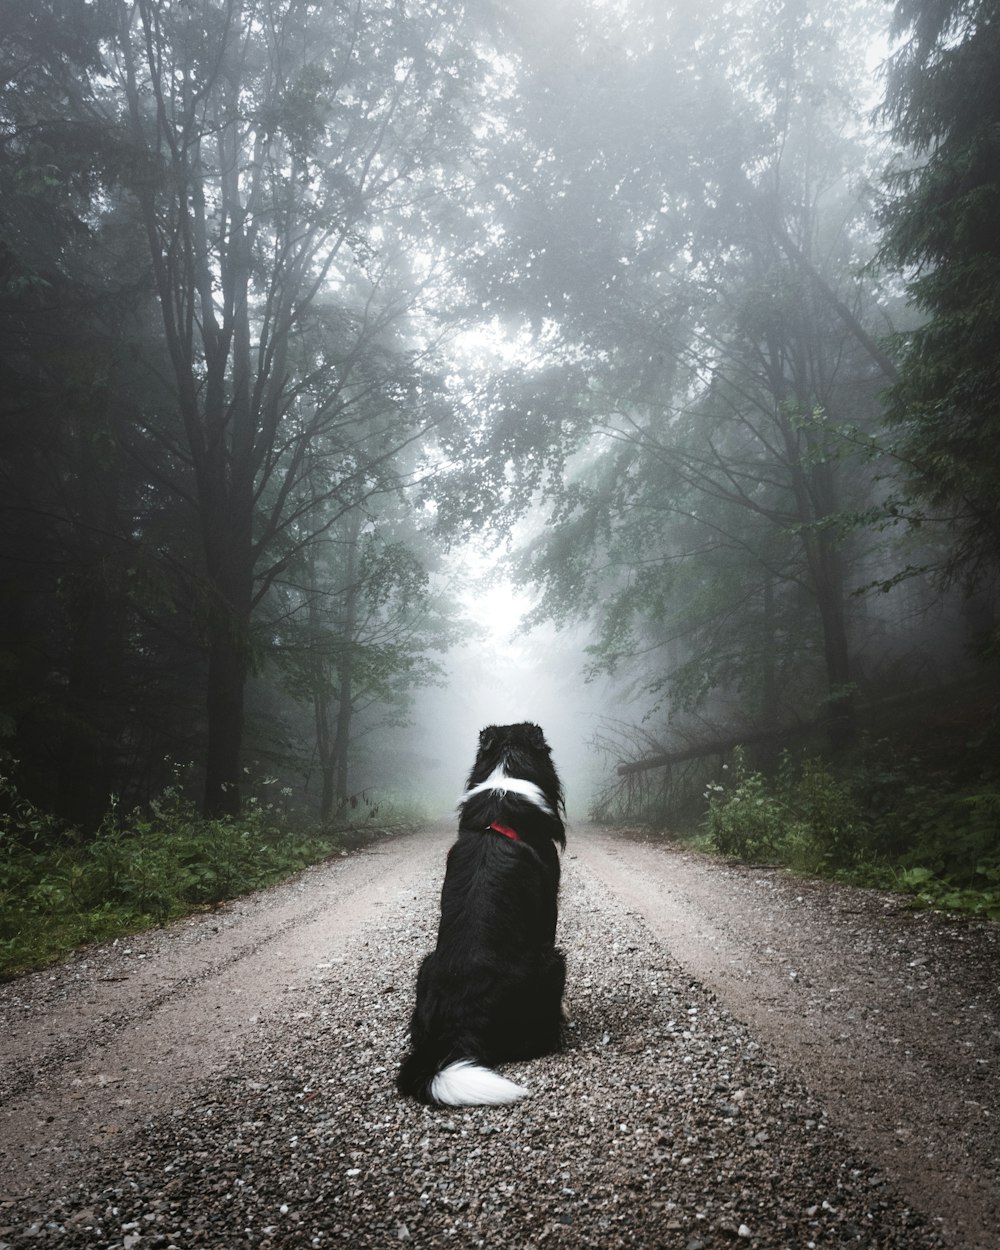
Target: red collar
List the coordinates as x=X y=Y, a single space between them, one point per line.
x=506 y=830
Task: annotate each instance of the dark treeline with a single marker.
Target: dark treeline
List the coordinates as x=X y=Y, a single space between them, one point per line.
x=736 y=296
x=220 y=248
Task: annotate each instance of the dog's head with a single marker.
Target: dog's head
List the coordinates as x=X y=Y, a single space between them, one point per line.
x=518 y=753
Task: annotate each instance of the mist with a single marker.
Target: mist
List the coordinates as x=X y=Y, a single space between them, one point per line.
x=639 y=299
x=504 y=677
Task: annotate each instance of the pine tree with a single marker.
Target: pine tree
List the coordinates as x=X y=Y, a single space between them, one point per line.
x=941 y=231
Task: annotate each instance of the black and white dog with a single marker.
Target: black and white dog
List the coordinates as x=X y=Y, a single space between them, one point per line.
x=492 y=988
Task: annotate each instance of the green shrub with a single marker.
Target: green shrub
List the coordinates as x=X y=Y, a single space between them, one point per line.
x=805 y=816
x=955 y=833
x=944 y=894
x=747 y=819
x=835 y=832
x=58 y=890
x=953 y=862
x=884 y=822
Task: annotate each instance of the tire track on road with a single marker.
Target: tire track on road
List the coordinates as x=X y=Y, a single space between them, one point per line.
x=108 y=1048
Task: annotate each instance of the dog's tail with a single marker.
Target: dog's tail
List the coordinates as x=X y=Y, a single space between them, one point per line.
x=466 y=1083
x=461 y=1083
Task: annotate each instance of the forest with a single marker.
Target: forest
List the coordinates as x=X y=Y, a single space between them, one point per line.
x=682 y=318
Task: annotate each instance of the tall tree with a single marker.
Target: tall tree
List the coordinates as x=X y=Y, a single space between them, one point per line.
x=721 y=336
x=364 y=641
x=941 y=232
x=70 y=292
x=270 y=139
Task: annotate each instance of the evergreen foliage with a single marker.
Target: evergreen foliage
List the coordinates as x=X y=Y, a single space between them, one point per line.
x=941 y=233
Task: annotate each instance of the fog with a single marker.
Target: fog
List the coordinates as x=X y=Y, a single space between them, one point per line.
x=631 y=295
x=503 y=676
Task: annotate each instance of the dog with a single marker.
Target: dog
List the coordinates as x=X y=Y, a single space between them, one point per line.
x=492 y=988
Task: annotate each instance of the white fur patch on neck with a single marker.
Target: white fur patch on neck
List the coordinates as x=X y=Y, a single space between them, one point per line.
x=499 y=783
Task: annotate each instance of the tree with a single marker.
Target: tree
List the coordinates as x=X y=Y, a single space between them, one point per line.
x=71 y=293
x=365 y=638
x=220 y=227
x=941 y=233
x=267 y=141
x=723 y=341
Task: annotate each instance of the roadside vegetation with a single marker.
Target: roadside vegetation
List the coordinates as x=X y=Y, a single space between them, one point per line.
x=913 y=806
x=60 y=889
x=882 y=821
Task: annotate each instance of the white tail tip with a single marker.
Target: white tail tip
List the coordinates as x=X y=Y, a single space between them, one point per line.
x=466 y=1084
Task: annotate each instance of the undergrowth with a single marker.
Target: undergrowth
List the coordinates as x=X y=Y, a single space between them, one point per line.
x=883 y=822
x=59 y=889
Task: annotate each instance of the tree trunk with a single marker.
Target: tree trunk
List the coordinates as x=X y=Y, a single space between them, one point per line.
x=826 y=565
x=229 y=569
x=97 y=619
x=828 y=587
x=720 y=746
x=814 y=489
x=226 y=683
x=345 y=669
x=343 y=738
x=333 y=740
x=95 y=648
x=769 y=673
x=321 y=712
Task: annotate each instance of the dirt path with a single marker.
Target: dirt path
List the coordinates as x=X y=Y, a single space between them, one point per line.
x=749 y=1061
x=892 y=1017
x=122 y=1031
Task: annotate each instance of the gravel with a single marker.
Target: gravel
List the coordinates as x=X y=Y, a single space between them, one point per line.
x=663 y=1123
x=891 y=1016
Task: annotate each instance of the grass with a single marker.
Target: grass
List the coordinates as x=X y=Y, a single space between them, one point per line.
x=60 y=890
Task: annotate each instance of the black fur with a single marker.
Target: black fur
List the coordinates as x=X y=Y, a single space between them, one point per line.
x=492 y=988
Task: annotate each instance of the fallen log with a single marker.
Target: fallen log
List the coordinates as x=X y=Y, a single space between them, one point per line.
x=720 y=746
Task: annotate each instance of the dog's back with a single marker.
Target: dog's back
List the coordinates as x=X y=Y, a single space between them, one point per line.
x=492 y=988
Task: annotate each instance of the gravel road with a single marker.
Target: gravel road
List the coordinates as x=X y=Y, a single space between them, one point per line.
x=751 y=1061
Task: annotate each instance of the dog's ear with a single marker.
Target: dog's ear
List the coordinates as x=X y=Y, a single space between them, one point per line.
x=535 y=737
x=487 y=739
